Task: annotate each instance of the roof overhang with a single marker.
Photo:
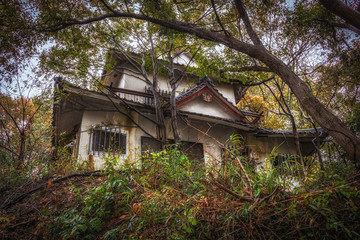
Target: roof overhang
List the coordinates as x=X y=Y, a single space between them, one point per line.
x=199 y=90
x=72 y=101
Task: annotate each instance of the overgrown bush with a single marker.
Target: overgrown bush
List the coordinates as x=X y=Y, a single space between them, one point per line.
x=172 y=197
x=25 y=140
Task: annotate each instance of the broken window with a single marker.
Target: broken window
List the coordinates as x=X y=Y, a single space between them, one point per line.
x=108 y=140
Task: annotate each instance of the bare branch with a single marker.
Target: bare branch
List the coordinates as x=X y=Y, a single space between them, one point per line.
x=225 y=189
x=258 y=83
x=248 y=69
x=107 y=6
x=11 y=116
x=339 y=25
x=187 y=66
x=8 y=149
x=277 y=99
x=244 y=16
x=218 y=19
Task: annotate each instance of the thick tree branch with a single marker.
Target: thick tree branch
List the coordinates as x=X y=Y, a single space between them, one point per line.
x=244 y=16
x=339 y=25
x=340 y=9
x=319 y=112
x=190 y=28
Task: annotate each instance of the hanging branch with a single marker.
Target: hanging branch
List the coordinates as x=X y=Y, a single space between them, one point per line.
x=107 y=6
x=218 y=19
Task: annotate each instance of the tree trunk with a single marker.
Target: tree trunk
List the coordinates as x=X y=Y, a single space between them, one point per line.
x=297 y=142
x=174 y=123
x=342 y=10
x=328 y=121
x=21 y=149
x=159 y=117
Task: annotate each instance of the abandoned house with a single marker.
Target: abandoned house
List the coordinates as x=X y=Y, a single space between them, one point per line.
x=120 y=118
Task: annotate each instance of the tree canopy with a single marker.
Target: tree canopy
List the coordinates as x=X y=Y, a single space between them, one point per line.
x=310 y=46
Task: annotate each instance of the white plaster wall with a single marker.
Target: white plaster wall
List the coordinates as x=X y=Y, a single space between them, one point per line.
x=185 y=85
x=128 y=81
x=212 y=151
x=91 y=119
x=213 y=108
x=132 y=82
x=261 y=147
x=182 y=59
x=209 y=134
x=227 y=91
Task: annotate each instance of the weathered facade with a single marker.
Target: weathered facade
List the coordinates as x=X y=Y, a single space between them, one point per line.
x=120 y=119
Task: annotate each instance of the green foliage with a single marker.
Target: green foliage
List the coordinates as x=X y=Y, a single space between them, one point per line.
x=172 y=197
x=25 y=125
x=354 y=119
x=75 y=225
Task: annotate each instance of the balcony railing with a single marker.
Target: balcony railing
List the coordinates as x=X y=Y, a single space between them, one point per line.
x=146 y=97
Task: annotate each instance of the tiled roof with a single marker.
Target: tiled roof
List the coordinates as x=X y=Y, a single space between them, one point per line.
x=201 y=84
x=220 y=118
x=259 y=130
x=254 y=129
x=290 y=132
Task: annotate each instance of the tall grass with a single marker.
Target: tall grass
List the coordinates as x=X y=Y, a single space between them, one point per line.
x=173 y=197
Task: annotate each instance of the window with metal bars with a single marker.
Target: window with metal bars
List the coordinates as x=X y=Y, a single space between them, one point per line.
x=108 y=140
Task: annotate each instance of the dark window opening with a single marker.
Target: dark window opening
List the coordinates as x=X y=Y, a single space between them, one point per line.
x=279 y=160
x=194 y=151
x=106 y=139
x=286 y=164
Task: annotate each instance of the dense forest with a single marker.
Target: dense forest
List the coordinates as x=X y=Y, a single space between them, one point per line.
x=297 y=65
